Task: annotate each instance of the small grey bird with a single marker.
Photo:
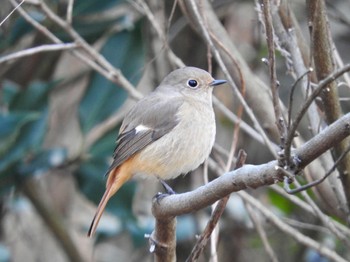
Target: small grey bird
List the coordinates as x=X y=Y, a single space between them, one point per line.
x=169 y=132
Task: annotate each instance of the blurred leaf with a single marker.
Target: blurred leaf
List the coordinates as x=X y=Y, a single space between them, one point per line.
x=22 y=130
x=20 y=29
x=5 y=254
x=92 y=180
x=9 y=92
x=10 y=126
x=27 y=144
x=280 y=202
x=91 y=172
x=32 y=98
x=93 y=6
x=43 y=161
x=185 y=228
x=102 y=98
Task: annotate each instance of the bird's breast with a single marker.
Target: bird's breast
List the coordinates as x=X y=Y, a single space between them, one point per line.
x=185 y=147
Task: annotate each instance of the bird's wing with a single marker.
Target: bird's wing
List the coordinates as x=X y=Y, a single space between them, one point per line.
x=149 y=120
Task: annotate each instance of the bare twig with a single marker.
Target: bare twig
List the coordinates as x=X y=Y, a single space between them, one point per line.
x=36 y=50
x=69 y=16
x=305 y=240
x=206 y=35
x=319 y=181
x=214 y=219
x=324 y=65
x=291 y=95
x=307 y=208
x=254 y=216
x=280 y=123
x=13 y=10
x=143 y=7
x=101 y=65
x=326 y=220
x=322 y=84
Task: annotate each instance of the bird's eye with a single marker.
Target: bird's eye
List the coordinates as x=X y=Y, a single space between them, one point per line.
x=192 y=83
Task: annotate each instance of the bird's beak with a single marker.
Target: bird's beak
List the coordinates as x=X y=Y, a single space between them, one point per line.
x=217 y=82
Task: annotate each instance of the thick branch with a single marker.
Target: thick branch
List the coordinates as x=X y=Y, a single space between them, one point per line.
x=251 y=176
x=324 y=64
x=163 y=240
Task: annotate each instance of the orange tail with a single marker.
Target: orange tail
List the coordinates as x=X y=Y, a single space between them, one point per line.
x=115 y=180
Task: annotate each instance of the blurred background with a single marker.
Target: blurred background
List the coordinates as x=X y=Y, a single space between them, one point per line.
x=60 y=115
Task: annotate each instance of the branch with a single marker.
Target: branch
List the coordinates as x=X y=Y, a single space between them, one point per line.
x=272 y=65
x=251 y=176
x=101 y=65
x=36 y=50
x=275 y=220
x=213 y=27
x=52 y=220
x=324 y=65
x=214 y=219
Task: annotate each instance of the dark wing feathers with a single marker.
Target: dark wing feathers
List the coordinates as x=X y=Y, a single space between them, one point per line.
x=152 y=112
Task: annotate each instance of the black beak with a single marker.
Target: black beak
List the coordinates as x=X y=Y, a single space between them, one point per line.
x=217 y=82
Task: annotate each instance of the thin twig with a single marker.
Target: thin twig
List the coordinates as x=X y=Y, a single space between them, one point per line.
x=82 y=56
x=319 y=181
x=273 y=76
x=298 y=236
x=116 y=74
x=13 y=10
x=36 y=50
x=206 y=36
x=101 y=65
x=322 y=84
x=291 y=95
x=214 y=219
x=326 y=220
x=253 y=214
x=307 y=208
x=143 y=7
x=69 y=16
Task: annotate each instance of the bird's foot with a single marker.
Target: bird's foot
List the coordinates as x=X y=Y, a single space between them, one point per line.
x=168 y=191
x=167 y=188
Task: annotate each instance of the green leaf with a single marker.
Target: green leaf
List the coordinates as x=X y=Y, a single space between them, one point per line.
x=102 y=98
x=280 y=202
x=10 y=127
x=93 y=6
x=22 y=130
x=26 y=138
x=43 y=161
x=20 y=29
x=34 y=97
x=9 y=92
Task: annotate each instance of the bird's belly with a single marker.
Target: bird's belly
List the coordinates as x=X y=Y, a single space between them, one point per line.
x=180 y=151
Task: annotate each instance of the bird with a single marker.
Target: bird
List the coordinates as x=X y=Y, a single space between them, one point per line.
x=169 y=132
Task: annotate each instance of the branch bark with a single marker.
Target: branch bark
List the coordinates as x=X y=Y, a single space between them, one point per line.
x=251 y=176
x=324 y=64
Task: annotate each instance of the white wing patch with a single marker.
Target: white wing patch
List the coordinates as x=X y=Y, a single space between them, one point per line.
x=141 y=128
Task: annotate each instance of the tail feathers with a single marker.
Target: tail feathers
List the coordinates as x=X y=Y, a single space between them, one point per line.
x=116 y=179
x=101 y=207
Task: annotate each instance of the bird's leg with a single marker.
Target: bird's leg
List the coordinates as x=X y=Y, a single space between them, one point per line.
x=167 y=188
